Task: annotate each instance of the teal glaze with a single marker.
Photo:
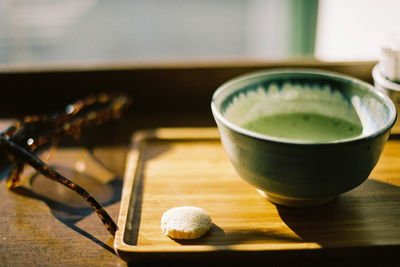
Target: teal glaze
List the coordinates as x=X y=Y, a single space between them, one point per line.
x=304 y=173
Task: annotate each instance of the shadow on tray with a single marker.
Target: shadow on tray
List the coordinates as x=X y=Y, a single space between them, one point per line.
x=369 y=214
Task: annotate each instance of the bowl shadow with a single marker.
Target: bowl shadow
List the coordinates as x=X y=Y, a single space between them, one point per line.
x=367 y=215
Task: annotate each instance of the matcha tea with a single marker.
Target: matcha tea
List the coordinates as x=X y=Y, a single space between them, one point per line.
x=304 y=126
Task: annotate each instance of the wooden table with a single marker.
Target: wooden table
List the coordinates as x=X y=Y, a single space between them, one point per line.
x=45 y=224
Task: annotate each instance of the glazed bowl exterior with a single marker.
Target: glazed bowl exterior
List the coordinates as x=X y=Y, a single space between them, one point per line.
x=296 y=173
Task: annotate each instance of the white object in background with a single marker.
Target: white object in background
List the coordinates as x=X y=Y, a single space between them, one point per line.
x=390 y=60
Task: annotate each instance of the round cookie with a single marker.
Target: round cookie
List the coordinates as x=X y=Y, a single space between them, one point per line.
x=185 y=222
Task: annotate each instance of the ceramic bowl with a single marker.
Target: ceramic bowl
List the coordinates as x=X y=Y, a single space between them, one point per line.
x=293 y=171
x=388 y=87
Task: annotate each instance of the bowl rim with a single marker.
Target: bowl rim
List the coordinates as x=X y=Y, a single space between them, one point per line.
x=383 y=81
x=252 y=75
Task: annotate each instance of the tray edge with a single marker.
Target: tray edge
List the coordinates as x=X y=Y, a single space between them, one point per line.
x=132 y=162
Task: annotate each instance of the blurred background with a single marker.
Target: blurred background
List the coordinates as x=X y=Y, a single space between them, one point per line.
x=101 y=31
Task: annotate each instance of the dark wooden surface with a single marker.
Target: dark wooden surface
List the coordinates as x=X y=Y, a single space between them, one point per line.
x=45 y=224
x=162 y=94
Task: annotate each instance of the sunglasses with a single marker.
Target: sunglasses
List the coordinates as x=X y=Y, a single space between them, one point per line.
x=25 y=139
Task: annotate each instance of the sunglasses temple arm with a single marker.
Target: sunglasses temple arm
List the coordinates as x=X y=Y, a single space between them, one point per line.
x=44 y=169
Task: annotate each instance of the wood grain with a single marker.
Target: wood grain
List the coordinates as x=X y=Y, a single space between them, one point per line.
x=171 y=169
x=45 y=224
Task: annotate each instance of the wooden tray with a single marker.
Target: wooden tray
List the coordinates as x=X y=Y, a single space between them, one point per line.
x=176 y=167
